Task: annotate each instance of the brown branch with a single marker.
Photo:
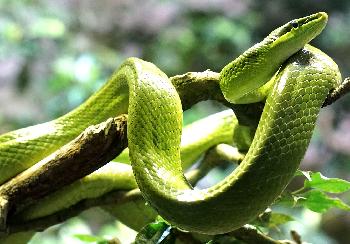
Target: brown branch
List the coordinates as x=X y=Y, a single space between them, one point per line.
x=96 y=146
x=112 y=198
x=247 y=233
x=194 y=87
x=296 y=237
x=250 y=235
x=337 y=93
x=213 y=158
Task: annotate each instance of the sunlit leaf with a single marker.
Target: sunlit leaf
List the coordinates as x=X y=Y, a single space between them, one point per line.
x=277 y=219
x=272 y=219
x=288 y=199
x=332 y=185
x=153 y=233
x=320 y=202
x=306 y=174
x=299 y=173
x=12 y=32
x=48 y=27
x=85 y=68
x=90 y=238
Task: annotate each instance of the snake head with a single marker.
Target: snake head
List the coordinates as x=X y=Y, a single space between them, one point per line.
x=293 y=35
x=241 y=79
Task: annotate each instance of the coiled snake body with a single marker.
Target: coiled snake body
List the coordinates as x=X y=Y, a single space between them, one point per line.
x=293 y=96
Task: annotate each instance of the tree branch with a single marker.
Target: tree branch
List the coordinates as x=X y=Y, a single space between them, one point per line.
x=40 y=224
x=250 y=235
x=337 y=93
x=213 y=156
x=96 y=146
x=194 y=87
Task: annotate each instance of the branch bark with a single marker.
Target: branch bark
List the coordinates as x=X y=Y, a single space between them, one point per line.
x=250 y=235
x=194 y=87
x=93 y=148
x=337 y=93
x=40 y=224
x=214 y=157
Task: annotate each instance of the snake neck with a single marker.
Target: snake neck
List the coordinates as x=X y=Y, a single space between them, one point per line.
x=258 y=64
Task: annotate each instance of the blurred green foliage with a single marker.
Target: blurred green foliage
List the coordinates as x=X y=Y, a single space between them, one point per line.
x=54 y=54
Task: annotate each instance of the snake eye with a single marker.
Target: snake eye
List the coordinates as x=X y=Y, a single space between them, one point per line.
x=295 y=24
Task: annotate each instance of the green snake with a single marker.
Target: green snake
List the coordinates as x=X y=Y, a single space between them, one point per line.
x=294 y=78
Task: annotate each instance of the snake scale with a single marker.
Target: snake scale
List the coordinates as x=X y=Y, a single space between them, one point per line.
x=293 y=77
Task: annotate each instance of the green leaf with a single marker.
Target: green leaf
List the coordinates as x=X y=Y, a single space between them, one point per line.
x=153 y=233
x=288 y=199
x=320 y=202
x=332 y=185
x=271 y=219
x=306 y=174
x=277 y=219
x=299 y=173
x=90 y=238
x=47 y=27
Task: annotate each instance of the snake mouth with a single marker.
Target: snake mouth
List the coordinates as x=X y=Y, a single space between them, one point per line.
x=305 y=24
x=311 y=18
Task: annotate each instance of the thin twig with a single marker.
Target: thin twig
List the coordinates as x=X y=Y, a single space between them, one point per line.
x=250 y=235
x=296 y=237
x=337 y=93
x=215 y=156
